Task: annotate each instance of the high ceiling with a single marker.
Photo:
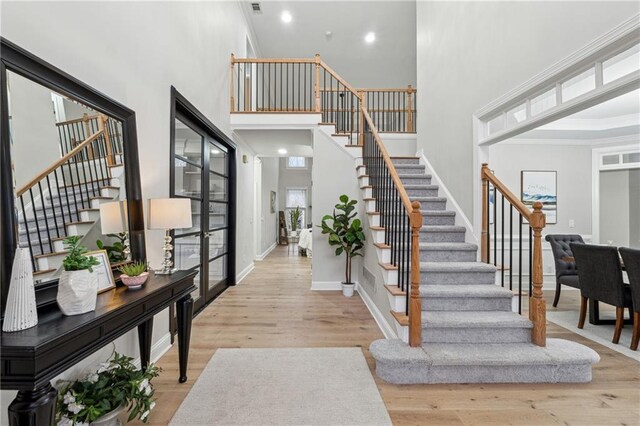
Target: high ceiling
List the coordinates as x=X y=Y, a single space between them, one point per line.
x=390 y=61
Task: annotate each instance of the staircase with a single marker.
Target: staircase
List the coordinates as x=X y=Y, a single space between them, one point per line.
x=469 y=332
x=454 y=323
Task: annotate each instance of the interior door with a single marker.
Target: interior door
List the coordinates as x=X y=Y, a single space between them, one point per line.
x=201 y=174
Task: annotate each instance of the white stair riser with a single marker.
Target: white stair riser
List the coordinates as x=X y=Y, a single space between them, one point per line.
x=364 y=180
x=370 y=205
x=95 y=203
x=116 y=172
x=50 y=262
x=374 y=219
x=384 y=254
x=397 y=303
x=109 y=192
x=79 y=228
x=89 y=216
x=389 y=276
x=44 y=277
x=367 y=192
x=378 y=236
x=58 y=245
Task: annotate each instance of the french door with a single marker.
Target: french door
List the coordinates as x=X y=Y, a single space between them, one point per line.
x=201 y=173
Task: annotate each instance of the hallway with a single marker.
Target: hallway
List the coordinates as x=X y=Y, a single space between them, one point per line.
x=273 y=307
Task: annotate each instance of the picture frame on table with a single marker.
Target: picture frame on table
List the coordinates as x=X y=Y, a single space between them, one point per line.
x=540 y=185
x=106 y=280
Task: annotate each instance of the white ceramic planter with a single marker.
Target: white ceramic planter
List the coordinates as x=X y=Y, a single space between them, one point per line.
x=347 y=289
x=77 y=292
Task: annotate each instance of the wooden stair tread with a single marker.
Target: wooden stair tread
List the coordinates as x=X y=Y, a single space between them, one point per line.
x=354 y=146
x=62 y=238
x=79 y=222
x=401 y=318
x=377 y=228
x=366 y=186
x=373 y=213
x=395 y=290
x=409 y=157
x=388 y=266
x=361 y=176
x=44 y=271
x=326 y=124
x=360 y=166
x=89 y=210
x=56 y=253
x=382 y=245
x=100 y=197
x=368 y=199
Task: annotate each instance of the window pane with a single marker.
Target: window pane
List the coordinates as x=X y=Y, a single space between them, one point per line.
x=187 y=179
x=543 y=102
x=217 y=160
x=632 y=157
x=579 y=85
x=195 y=219
x=495 y=125
x=188 y=143
x=217 y=243
x=217 y=187
x=296 y=162
x=610 y=159
x=217 y=271
x=187 y=252
x=516 y=115
x=296 y=198
x=217 y=215
x=196 y=281
x=621 y=64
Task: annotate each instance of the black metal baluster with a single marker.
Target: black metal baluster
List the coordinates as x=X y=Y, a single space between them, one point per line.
x=66 y=190
x=55 y=177
x=53 y=206
x=502 y=266
x=488 y=237
x=510 y=246
x=26 y=227
x=530 y=260
x=79 y=187
x=520 y=262
x=46 y=220
x=495 y=226
x=35 y=219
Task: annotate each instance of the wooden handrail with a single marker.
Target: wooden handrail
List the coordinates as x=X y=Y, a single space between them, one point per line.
x=77 y=120
x=340 y=79
x=58 y=163
x=273 y=60
x=537 y=222
x=406 y=202
x=487 y=174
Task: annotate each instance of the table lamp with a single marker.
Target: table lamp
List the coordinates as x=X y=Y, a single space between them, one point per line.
x=168 y=214
x=114 y=219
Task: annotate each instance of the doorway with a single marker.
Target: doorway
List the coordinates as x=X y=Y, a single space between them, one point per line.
x=203 y=171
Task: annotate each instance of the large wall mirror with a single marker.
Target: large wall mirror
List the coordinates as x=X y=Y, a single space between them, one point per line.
x=66 y=150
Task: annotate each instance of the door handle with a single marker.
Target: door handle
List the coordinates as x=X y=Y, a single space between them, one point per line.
x=207 y=235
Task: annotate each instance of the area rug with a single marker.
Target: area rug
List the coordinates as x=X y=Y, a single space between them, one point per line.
x=301 y=386
x=598 y=333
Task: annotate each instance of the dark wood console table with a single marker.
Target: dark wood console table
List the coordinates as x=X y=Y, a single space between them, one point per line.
x=31 y=358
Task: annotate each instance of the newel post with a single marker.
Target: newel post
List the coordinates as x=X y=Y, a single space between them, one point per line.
x=316 y=86
x=484 y=236
x=409 y=109
x=233 y=58
x=537 y=304
x=415 y=305
x=103 y=126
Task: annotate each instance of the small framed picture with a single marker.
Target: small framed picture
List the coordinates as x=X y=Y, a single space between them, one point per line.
x=105 y=276
x=540 y=185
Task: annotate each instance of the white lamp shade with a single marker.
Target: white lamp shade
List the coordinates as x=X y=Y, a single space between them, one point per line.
x=169 y=213
x=114 y=217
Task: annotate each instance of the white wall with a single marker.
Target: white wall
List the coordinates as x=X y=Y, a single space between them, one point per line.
x=296 y=178
x=269 y=220
x=144 y=49
x=33 y=128
x=470 y=53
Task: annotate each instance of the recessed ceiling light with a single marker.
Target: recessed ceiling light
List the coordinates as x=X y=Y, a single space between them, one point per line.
x=370 y=37
x=282 y=151
x=286 y=17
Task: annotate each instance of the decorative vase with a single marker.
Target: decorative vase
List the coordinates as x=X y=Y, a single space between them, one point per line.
x=77 y=292
x=21 y=312
x=134 y=283
x=347 y=289
x=109 y=419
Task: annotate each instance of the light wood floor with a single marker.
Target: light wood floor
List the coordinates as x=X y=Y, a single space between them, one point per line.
x=273 y=307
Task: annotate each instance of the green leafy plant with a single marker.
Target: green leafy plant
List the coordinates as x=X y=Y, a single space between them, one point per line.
x=116 y=250
x=76 y=259
x=345 y=232
x=114 y=384
x=294 y=215
x=133 y=269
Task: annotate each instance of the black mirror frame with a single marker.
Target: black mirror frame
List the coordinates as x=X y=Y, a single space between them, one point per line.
x=14 y=58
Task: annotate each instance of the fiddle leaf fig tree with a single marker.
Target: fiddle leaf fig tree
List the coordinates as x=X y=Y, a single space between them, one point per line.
x=345 y=232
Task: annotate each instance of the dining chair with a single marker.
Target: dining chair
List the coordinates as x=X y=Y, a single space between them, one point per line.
x=566 y=271
x=631 y=259
x=600 y=276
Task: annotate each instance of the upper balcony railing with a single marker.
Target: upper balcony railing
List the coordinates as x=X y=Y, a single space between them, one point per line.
x=309 y=85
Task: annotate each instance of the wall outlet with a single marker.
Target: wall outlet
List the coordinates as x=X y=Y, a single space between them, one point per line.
x=572 y=223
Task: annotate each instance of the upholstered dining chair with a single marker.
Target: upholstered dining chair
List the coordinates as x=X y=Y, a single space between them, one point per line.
x=566 y=272
x=600 y=276
x=631 y=259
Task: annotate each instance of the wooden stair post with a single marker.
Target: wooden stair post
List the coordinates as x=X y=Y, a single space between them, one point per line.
x=484 y=235
x=537 y=304
x=102 y=126
x=409 y=110
x=415 y=303
x=316 y=85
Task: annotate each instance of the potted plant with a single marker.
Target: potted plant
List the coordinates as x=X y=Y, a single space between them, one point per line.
x=345 y=232
x=118 y=250
x=102 y=395
x=294 y=215
x=78 y=285
x=134 y=275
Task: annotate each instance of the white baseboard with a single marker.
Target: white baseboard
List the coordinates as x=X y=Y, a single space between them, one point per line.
x=261 y=257
x=244 y=272
x=383 y=324
x=326 y=285
x=157 y=349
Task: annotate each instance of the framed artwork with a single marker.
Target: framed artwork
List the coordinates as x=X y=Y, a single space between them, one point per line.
x=273 y=201
x=105 y=276
x=540 y=185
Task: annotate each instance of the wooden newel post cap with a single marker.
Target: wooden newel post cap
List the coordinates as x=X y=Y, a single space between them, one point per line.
x=538 y=219
x=416 y=215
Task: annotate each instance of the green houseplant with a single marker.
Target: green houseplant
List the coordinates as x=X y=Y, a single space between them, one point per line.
x=294 y=215
x=134 y=274
x=98 y=398
x=78 y=285
x=345 y=233
x=116 y=251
